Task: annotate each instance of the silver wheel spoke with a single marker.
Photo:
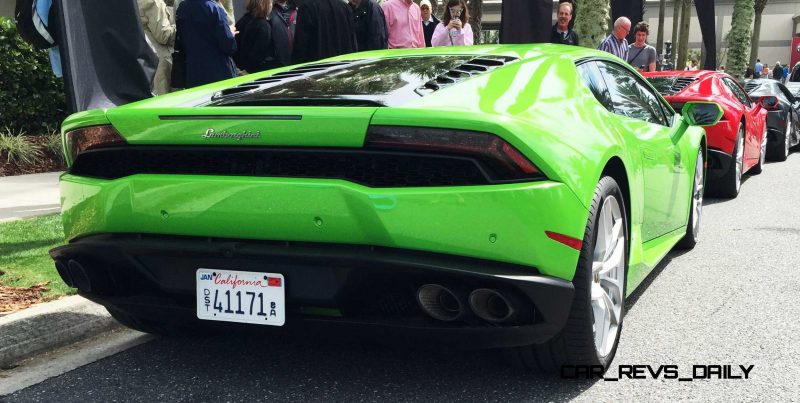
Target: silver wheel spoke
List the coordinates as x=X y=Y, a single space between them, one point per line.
x=613 y=288
x=608 y=271
x=697 y=203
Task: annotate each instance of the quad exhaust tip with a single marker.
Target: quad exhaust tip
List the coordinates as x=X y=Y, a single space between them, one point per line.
x=63 y=271
x=441 y=303
x=491 y=305
x=79 y=276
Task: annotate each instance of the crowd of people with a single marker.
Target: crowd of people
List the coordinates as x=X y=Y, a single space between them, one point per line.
x=199 y=43
x=778 y=72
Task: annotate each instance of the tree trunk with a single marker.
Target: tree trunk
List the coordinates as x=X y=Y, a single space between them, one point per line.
x=739 y=37
x=683 y=48
x=662 y=5
x=592 y=25
x=759 y=9
x=475 y=17
x=676 y=17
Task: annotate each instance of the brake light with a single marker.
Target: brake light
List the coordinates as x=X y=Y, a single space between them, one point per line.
x=87 y=138
x=496 y=152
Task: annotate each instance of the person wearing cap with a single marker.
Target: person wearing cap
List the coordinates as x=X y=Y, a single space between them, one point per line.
x=429 y=21
x=404 y=22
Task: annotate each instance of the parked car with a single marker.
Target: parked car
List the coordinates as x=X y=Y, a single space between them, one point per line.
x=794 y=88
x=737 y=144
x=494 y=196
x=783 y=118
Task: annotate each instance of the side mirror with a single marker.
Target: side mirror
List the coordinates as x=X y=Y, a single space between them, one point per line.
x=768 y=102
x=702 y=113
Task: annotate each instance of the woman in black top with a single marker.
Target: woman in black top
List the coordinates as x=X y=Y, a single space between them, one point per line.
x=256 y=50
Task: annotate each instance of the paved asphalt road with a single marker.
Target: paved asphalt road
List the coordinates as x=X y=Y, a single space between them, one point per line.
x=733 y=300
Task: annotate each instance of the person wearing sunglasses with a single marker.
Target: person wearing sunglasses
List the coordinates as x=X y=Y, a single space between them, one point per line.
x=454 y=30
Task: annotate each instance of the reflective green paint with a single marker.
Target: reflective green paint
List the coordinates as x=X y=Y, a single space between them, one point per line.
x=538 y=104
x=709 y=113
x=454 y=220
x=321 y=127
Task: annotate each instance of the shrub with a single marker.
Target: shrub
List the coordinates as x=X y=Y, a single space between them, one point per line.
x=31 y=97
x=53 y=145
x=16 y=148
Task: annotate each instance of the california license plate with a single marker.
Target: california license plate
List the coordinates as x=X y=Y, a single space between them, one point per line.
x=241 y=296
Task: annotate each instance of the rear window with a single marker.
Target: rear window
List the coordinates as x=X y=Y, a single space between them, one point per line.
x=379 y=82
x=662 y=84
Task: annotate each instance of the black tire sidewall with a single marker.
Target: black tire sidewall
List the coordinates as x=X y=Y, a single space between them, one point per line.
x=582 y=281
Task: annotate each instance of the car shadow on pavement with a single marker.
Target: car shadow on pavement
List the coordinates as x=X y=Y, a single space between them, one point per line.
x=314 y=367
x=630 y=300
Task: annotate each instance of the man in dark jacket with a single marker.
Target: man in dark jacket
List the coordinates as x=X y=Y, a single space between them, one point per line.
x=561 y=32
x=208 y=41
x=284 y=21
x=324 y=29
x=429 y=21
x=370 y=25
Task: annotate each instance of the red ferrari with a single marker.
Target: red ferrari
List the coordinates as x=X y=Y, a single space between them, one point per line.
x=737 y=144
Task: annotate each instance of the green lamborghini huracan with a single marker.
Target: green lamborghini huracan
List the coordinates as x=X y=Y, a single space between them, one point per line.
x=493 y=196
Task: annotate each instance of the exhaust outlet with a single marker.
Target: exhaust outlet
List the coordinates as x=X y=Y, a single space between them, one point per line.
x=441 y=303
x=63 y=271
x=79 y=276
x=492 y=306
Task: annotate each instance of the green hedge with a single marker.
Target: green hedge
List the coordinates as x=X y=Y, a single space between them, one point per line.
x=31 y=97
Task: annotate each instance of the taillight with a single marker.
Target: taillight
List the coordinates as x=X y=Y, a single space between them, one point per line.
x=505 y=160
x=87 y=138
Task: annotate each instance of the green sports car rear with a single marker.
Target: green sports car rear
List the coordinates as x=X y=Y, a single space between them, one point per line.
x=490 y=196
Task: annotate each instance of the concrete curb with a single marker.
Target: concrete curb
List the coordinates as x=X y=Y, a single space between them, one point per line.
x=50 y=325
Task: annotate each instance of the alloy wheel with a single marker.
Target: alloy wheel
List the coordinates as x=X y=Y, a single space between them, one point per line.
x=697 y=195
x=608 y=271
x=739 y=160
x=787 y=137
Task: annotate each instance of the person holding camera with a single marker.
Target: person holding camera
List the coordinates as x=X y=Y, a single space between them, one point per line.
x=454 y=30
x=641 y=55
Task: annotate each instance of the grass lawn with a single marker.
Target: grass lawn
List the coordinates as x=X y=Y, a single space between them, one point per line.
x=23 y=254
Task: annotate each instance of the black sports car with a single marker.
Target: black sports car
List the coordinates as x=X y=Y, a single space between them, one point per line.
x=783 y=120
x=794 y=88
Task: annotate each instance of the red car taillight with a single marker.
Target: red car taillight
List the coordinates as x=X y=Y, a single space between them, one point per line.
x=87 y=138
x=496 y=152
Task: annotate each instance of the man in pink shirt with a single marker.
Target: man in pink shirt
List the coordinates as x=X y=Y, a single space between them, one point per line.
x=404 y=22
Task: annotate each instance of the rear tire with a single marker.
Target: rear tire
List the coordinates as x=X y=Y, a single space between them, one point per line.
x=728 y=186
x=695 y=206
x=781 y=149
x=599 y=292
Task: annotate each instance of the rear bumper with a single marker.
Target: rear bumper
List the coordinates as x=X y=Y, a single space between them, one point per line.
x=504 y=223
x=347 y=287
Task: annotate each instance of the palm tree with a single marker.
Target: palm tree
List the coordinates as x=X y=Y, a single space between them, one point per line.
x=592 y=26
x=676 y=15
x=739 y=37
x=475 y=17
x=759 y=9
x=662 y=5
x=683 y=49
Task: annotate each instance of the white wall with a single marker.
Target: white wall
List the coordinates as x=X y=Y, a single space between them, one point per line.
x=776 y=27
x=7 y=8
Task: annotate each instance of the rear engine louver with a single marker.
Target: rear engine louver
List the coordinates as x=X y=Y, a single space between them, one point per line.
x=469 y=69
x=680 y=84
